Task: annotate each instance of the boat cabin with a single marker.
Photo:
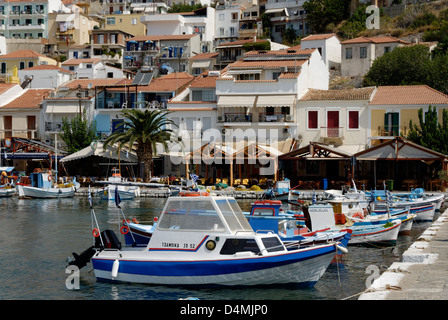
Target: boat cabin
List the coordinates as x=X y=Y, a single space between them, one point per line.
x=41 y=180
x=186 y=223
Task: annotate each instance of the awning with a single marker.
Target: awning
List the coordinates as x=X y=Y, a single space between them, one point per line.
x=6 y=169
x=244 y=71
x=96 y=149
x=276 y=11
x=65 y=17
x=276 y=100
x=236 y=101
x=64 y=109
x=200 y=64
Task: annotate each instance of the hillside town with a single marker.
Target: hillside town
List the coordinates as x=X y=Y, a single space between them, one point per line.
x=225 y=85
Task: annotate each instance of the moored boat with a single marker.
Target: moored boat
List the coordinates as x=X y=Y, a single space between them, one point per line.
x=206 y=240
x=41 y=186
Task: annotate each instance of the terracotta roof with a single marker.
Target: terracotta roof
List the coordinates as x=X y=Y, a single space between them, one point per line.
x=342 y=94
x=205 y=56
x=30 y=99
x=240 y=42
x=408 y=95
x=26 y=53
x=293 y=51
x=204 y=81
x=384 y=39
x=266 y=64
x=322 y=36
x=48 y=67
x=163 y=37
x=75 y=62
x=167 y=83
x=95 y=83
x=6 y=86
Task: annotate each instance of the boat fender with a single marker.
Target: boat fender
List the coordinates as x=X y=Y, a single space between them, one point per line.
x=342 y=248
x=210 y=245
x=50 y=178
x=115 y=267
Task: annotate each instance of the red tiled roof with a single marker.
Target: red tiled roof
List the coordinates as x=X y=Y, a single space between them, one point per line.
x=6 y=86
x=30 y=99
x=384 y=39
x=240 y=42
x=205 y=56
x=95 y=83
x=75 y=62
x=26 y=53
x=408 y=95
x=322 y=36
x=339 y=95
x=48 y=67
x=267 y=64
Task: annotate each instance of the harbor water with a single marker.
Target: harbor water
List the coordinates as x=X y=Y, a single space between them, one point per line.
x=39 y=235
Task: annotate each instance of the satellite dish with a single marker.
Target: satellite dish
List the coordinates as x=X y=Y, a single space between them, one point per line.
x=89 y=86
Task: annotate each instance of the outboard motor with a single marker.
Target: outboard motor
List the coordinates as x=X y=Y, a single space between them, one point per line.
x=110 y=241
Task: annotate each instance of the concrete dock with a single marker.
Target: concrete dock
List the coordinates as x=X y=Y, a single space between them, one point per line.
x=422 y=273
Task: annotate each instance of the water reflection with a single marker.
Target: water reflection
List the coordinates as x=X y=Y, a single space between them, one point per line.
x=38 y=236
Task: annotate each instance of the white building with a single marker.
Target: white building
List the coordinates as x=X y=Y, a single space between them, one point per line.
x=227 y=22
x=92 y=69
x=286 y=14
x=358 y=54
x=27 y=19
x=335 y=117
x=261 y=91
x=328 y=46
x=45 y=76
x=201 y=22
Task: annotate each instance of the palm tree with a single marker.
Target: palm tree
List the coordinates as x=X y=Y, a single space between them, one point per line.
x=144 y=129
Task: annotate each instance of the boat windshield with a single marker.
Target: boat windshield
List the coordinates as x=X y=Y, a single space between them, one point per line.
x=233 y=215
x=201 y=214
x=191 y=215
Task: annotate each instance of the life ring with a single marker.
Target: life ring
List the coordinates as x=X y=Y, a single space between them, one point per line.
x=50 y=178
x=358 y=215
x=193 y=194
x=268 y=202
x=95 y=233
x=124 y=229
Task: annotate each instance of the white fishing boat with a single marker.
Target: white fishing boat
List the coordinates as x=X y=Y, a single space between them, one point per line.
x=320 y=216
x=42 y=187
x=6 y=192
x=206 y=240
x=116 y=182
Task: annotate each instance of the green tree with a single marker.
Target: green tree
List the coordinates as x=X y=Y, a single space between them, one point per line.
x=430 y=133
x=142 y=130
x=402 y=66
x=320 y=13
x=78 y=133
x=355 y=24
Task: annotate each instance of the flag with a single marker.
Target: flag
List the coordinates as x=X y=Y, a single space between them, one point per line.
x=194 y=177
x=90 y=198
x=117 y=197
x=389 y=198
x=314 y=197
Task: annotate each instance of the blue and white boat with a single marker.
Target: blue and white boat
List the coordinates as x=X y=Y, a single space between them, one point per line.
x=207 y=240
x=42 y=186
x=322 y=216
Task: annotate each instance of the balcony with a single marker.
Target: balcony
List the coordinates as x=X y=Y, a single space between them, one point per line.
x=332 y=135
x=26 y=27
x=274 y=117
x=53 y=126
